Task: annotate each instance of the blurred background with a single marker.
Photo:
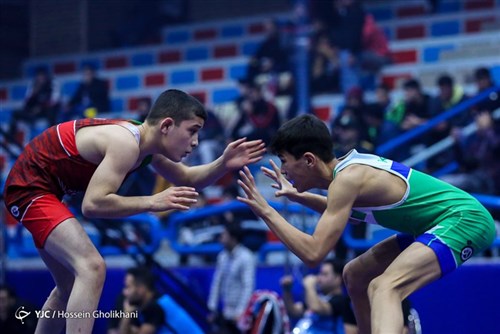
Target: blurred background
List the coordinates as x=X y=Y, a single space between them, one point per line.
x=416 y=81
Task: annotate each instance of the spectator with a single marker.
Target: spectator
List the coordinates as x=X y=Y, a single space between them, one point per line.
x=233 y=282
x=355 y=97
x=349 y=133
x=416 y=106
x=344 y=19
x=10 y=306
x=326 y=308
x=143 y=106
x=449 y=95
x=41 y=102
x=376 y=53
x=484 y=82
x=376 y=111
x=258 y=119
x=477 y=156
x=353 y=116
x=271 y=56
x=156 y=314
x=91 y=96
x=324 y=66
x=412 y=111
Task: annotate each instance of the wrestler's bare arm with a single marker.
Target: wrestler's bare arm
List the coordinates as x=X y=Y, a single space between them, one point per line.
x=120 y=156
x=236 y=155
x=311 y=249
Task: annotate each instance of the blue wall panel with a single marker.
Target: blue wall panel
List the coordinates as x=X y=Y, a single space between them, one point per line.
x=465 y=301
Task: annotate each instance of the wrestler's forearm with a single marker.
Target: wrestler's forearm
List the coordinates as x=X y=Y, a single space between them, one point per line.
x=315 y=202
x=115 y=206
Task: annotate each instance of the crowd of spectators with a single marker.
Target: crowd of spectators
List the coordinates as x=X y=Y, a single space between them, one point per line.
x=347 y=51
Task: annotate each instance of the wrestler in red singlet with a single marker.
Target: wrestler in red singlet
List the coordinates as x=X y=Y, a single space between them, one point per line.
x=49 y=167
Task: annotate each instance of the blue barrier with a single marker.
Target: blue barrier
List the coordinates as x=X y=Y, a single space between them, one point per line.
x=20 y=243
x=176 y=220
x=149 y=225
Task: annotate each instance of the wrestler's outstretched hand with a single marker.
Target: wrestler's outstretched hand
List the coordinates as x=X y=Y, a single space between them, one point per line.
x=253 y=198
x=285 y=188
x=174 y=198
x=240 y=153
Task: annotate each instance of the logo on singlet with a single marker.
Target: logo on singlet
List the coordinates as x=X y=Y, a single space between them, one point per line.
x=466 y=253
x=15 y=211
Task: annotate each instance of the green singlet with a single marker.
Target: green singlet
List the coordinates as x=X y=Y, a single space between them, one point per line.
x=449 y=220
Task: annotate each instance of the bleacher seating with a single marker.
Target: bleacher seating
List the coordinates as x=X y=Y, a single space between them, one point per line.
x=178 y=63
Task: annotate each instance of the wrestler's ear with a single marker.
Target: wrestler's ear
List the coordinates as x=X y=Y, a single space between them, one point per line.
x=166 y=124
x=309 y=159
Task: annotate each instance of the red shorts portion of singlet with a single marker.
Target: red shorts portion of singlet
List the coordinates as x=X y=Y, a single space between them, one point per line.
x=43 y=215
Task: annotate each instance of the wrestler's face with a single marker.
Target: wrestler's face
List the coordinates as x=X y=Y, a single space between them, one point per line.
x=295 y=171
x=179 y=140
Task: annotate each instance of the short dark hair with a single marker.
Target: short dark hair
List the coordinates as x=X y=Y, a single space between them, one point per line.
x=143 y=276
x=445 y=80
x=176 y=104
x=337 y=265
x=234 y=230
x=482 y=73
x=411 y=84
x=304 y=133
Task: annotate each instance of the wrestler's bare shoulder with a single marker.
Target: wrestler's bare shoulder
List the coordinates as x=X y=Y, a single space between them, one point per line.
x=93 y=142
x=376 y=186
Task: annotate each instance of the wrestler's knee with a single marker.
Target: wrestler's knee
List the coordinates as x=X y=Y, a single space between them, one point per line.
x=93 y=267
x=382 y=284
x=354 y=277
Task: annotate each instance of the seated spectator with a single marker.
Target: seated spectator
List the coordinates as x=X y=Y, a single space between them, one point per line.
x=376 y=111
x=324 y=66
x=449 y=95
x=411 y=112
x=375 y=54
x=41 y=102
x=477 y=156
x=353 y=115
x=484 y=82
x=258 y=119
x=326 y=307
x=157 y=314
x=271 y=56
x=143 y=106
x=90 y=98
x=233 y=282
x=344 y=19
x=348 y=133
